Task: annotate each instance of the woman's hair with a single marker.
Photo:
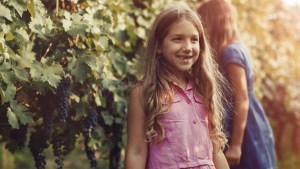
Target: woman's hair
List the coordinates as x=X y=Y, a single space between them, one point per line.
x=220 y=21
x=157 y=79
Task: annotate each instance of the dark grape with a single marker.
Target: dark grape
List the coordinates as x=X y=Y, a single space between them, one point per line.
x=59 y=150
x=90 y=153
x=37 y=144
x=63 y=92
x=47 y=105
x=19 y=135
x=89 y=123
x=48 y=122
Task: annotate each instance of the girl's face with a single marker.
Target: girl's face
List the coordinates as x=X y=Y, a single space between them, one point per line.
x=180 y=47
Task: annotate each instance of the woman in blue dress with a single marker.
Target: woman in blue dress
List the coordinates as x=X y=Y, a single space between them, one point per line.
x=251 y=141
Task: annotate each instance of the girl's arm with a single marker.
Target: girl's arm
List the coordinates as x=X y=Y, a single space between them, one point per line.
x=220 y=160
x=137 y=147
x=238 y=80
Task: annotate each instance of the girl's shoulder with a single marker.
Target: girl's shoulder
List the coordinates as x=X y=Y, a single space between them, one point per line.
x=136 y=89
x=136 y=93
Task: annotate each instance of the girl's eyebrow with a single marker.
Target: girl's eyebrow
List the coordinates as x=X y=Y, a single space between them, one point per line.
x=192 y=35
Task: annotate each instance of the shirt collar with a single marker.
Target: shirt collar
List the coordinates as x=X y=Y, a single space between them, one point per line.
x=188 y=87
x=190 y=84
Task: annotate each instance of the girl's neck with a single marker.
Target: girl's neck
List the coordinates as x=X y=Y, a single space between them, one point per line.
x=181 y=81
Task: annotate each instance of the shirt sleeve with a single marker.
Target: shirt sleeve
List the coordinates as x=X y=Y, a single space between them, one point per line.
x=233 y=55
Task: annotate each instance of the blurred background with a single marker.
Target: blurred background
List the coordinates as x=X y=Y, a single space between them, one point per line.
x=67 y=65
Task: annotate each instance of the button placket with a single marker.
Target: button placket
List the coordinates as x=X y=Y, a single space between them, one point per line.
x=188 y=96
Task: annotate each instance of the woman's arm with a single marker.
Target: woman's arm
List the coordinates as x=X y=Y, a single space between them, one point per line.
x=137 y=147
x=220 y=160
x=237 y=78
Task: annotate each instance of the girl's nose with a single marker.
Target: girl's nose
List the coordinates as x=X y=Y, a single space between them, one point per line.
x=187 y=47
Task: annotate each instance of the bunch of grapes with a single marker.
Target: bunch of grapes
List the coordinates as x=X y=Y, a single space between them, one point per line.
x=59 y=150
x=37 y=144
x=48 y=122
x=63 y=92
x=89 y=123
x=19 y=135
x=47 y=109
x=90 y=153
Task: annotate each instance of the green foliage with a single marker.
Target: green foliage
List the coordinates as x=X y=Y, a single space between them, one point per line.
x=93 y=41
x=270 y=34
x=96 y=42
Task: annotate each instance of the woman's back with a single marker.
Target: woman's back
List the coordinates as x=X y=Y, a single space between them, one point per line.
x=251 y=142
x=258 y=143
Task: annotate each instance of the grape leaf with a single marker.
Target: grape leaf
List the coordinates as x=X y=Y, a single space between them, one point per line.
x=8 y=77
x=22 y=35
x=78 y=26
x=108 y=119
x=7 y=92
x=119 y=62
x=24 y=60
x=21 y=112
x=46 y=73
x=79 y=70
x=5 y=28
x=12 y=119
x=21 y=74
x=5 y=12
x=101 y=43
x=67 y=23
x=31 y=8
x=19 y=5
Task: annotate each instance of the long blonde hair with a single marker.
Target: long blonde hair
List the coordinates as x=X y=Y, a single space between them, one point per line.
x=156 y=79
x=220 y=21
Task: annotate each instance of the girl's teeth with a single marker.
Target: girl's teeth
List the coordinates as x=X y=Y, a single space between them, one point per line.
x=183 y=57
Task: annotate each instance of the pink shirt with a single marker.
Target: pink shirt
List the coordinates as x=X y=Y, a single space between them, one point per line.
x=186 y=144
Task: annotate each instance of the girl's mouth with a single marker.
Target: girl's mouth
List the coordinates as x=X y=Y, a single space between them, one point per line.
x=185 y=57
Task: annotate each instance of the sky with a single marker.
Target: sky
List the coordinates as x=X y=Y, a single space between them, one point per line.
x=292 y=2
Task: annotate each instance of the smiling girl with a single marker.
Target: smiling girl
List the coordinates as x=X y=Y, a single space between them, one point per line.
x=174 y=112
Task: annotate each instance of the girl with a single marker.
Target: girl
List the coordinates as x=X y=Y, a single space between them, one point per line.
x=174 y=112
x=251 y=142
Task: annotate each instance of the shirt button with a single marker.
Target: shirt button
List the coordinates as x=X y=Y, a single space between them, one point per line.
x=194 y=122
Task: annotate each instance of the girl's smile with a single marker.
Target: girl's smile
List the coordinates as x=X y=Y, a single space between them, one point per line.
x=185 y=58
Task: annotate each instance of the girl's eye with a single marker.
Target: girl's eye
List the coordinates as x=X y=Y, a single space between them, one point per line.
x=176 y=39
x=195 y=40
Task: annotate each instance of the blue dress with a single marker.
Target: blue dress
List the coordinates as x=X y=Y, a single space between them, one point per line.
x=258 y=151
